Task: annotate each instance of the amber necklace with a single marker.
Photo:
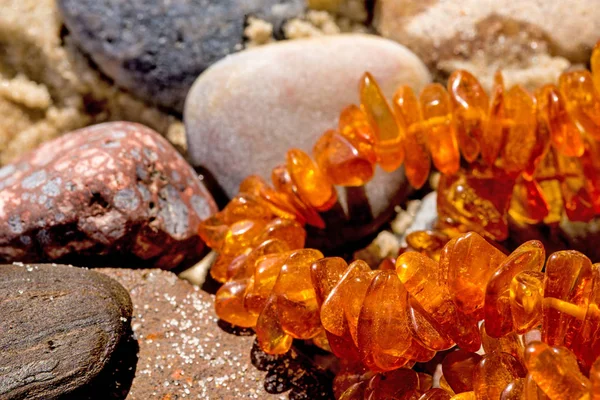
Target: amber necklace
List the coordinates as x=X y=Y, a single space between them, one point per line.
x=533 y=157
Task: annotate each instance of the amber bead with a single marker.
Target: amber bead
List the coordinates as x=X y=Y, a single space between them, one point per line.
x=341 y=161
x=266 y=272
x=590 y=163
x=509 y=343
x=530 y=256
x=578 y=201
x=213 y=231
x=325 y=274
x=439 y=128
x=435 y=394
x=595 y=66
x=586 y=344
x=423 y=328
x=350 y=372
x=445 y=385
x=354 y=125
x=245 y=206
x=554 y=373
x=355 y=392
x=493 y=373
x=520 y=137
x=582 y=100
x=565 y=136
x=425 y=381
x=417 y=163
x=514 y=390
x=595 y=380
x=288 y=231
x=392 y=385
x=531 y=391
x=470 y=107
x=458 y=368
x=547 y=175
x=491 y=141
x=528 y=204
x=296 y=298
x=567 y=285
x=269 y=333
x=229 y=304
x=464 y=396
x=429 y=243
x=313 y=185
x=526 y=298
x=388 y=136
x=383 y=336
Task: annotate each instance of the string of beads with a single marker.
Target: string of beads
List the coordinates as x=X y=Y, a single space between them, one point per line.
x=530 y=157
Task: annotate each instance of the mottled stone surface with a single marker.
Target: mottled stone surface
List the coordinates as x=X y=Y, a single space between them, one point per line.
x=255 y=105
x=59 y=329
x=185 y=353
x=110 y=189
x=532 y=41
x=156 y=49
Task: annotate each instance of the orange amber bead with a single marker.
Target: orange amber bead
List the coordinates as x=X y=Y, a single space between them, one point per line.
x=388 y=136
x=514 y=390
x=520 y=138
x=492 y=140
x=383 y=336
x=586 y=344
x=423 y=328
x=439 y=129
x=555 y=373
x=528 y=204
x=435 y=394
x=265 y=274
x=458 y=367
x=325 y=274
x=595 y=66
x=577 y=196
x=354 y=125
x=313 y=186
x=269 y=333
x=470 y=107
x=493 y=373
x=464 y=396
x=526 y=298
x=278 y=203
x=417 y=163
x=582 y=100
x=567 y=285
x=565 y=136
x=595 y=379
x=288 y=231
x=530 y=256
x=509 y=343
x=531 y=390
x=392 y=385
x=229 y=304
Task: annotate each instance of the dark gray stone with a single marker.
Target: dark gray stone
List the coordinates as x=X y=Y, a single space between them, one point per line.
x=156 y=49
x=60 y=327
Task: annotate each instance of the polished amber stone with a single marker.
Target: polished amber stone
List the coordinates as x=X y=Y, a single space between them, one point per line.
x=491 y=141
x=526 y=298
x=458 y=367
x=312 y=184
x=520 y=138
x=582 y=100
x=493 y=373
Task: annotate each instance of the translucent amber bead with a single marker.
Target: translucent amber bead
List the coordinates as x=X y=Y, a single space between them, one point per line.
x=383 y=336
x=458 y=367
x=470 y=107
x=595 y=66
x=578 y=201
x=265 y=274
x=288 y=231
x=349 y=374
x=313 y=185
x=492 y=140
x=514 y=390
x=439 y=129
x=325 y=274
x=595 y=378
x=554 y=373
x=444 y=385
x=388 y=136
x=567 y=285
x=526 y=298
x=547 y=175
x=425 y=381
x=423 y=328
x=429 y=243
x=417 y=163
x=213 y=231
x=269 y=333
x=392 y=385
x=520 y=138
x=582 y=100
x=586 y=344
x=565 y=136
x=531 y=390
x=530 y=256
x=435 y=394
x=590 y=162
x=528 y=204
x=245 y=206
x=341 y=161
x=509 y=343
x=241 y=235
x=464 y=396
x=229 y=304
x=354 y=125
x=493 y=373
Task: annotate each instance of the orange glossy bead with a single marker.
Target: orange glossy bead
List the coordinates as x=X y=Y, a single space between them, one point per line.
x=278 y=203
x=555 y=373
x=493 y=373
x=590 y=162
x=458 y=367
x=229 y=304
x=464 y=396
x=526 y=298
x=565 y=136
x=586 y=344
x=266 y=271
x=297 y=305
x=288 y=231
x=354 y=125
x=341 y=161
x=547 y=174
x=470 y=107
x=530 y=256
x=349 y=374
x=423 y=329
x=392 y=385
x=542 y=142
x=595 y=380
x=270 y=335
x=492 y=139
x=425 y=381
x=246 y=206
x=438 y=128
x=325 y=274
x=419 y=274
x=528 y=204
x=388 y=136
x=435 y=394
x=383 y=336
x=509 y=343
x=520 y=137
x=577 y=197
x=531 y=390
x=312 y=184
x=514 y=390
x=417 y=163
x=429 y=243
x=213 y=231
x=444 y=385
x=583 y=103
x=567 y=285
x=241 y=235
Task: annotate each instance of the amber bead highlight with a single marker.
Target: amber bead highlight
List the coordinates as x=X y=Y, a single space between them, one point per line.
x=313 y=186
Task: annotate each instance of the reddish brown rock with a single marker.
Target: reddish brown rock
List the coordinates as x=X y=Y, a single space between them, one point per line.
x=111 y=189
x=185 y=352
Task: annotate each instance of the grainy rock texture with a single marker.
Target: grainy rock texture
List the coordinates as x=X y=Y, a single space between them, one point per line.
x=185 y=353
x=531 y=40
x=253 y=106
x=114 y=188
x=60 y=327
x=156 y=49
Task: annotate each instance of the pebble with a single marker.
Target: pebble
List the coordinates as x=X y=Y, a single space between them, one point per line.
x=112 y=189
x=532 y=41
x=62 y=328
x=156 y=49
x=186 y=352
x=255 y=105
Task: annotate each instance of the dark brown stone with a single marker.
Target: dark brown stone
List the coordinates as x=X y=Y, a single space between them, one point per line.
x=111 y=189
x=59 y=328
x=186 y=352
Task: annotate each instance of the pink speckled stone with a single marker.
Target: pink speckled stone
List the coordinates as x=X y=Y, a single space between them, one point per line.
x=109 y=189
